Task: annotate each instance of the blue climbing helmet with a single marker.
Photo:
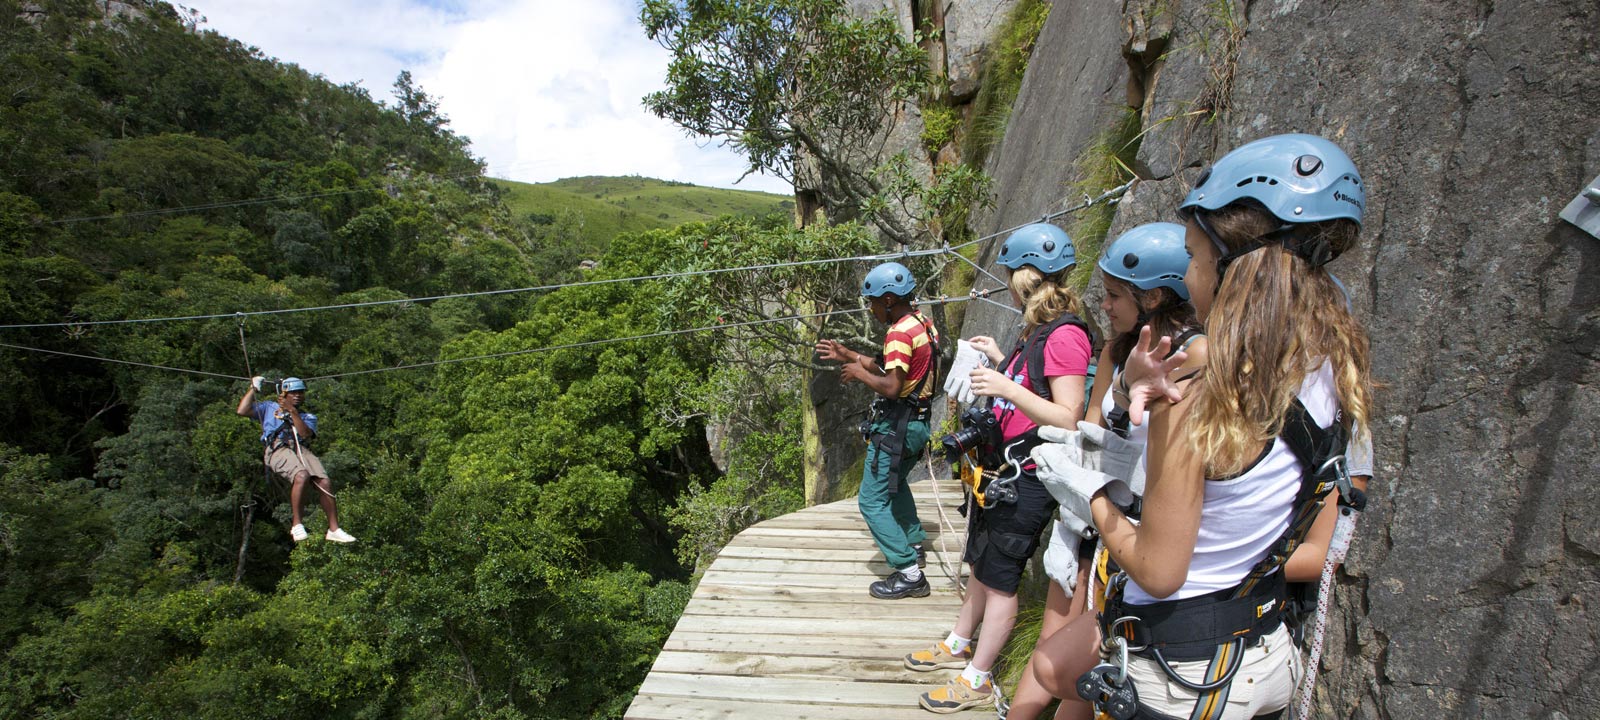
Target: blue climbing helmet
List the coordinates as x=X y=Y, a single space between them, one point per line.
x=1149 y=256
x=1297 y=178
x=1042 y=246
x=292 y=384
x=890 y=277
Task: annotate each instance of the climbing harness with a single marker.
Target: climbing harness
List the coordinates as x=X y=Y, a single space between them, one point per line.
x=990 y=475
x=1220 y=625
x=900 y=412
x=1107 y=687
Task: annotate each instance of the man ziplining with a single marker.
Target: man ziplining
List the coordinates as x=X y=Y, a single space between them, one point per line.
x=285 y=431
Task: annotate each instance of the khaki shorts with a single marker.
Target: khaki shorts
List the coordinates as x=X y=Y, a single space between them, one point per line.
x=287 y=464
x=1266 y=681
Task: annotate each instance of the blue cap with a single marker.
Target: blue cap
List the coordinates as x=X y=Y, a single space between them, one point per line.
x=1149 y=256
x=1298 y=178
x=890 y=277
x=1042 y=246
x=292 y=384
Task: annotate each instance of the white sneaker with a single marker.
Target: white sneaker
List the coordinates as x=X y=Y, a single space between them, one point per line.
x=298 y=532
x=340 y=536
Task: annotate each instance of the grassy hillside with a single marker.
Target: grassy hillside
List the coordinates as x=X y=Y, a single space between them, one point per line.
x=610 y=205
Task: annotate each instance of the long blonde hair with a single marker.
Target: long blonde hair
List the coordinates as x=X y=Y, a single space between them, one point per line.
x=1044 y=297
x=1274 y=320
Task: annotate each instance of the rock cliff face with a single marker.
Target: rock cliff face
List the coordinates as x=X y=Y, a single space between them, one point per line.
x=958 y=34
x=1467 y=589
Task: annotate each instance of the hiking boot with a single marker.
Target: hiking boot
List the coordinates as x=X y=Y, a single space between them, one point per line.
x=896 y=586
x=956 y=696
x=339 y=536
x=298 y=532
x=938 y=657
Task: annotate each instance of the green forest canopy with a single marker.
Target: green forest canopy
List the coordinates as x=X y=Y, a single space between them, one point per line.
x=528 y=525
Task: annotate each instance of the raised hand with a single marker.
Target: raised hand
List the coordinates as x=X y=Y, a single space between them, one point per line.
x=1146 y=375
x=987 y=346
x=833 y=350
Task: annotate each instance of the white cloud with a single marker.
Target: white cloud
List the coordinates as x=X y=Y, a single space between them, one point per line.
x=544 y=88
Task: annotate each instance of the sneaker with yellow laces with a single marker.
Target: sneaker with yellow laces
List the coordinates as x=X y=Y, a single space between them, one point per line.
x=957 y=695
x=938 y=657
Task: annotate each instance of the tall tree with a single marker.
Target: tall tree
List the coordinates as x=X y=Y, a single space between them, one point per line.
x=777 y=78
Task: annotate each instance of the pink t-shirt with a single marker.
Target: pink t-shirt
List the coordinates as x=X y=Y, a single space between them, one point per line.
x=1065 y=353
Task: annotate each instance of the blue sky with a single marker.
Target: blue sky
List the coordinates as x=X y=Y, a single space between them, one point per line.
x=545 y=89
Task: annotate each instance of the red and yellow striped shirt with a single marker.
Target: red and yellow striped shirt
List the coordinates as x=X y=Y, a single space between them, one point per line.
x=908 y=346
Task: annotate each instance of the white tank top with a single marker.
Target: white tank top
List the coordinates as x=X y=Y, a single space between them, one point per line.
x=1241 y=517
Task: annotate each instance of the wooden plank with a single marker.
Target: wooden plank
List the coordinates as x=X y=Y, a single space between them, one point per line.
x=855 y=552
x=858 y=570
x=840 y=669
x=820 y=692
x=941 y=596
x=804 y=531
x=888 y=650
x=651 y=707
x=835 y=581
x=781 y=625
x=795 y=540
x=927 y=507
x=854 y=624
x=814 y=522
x=788 y=608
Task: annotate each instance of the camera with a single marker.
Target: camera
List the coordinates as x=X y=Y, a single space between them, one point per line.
x=980 y=431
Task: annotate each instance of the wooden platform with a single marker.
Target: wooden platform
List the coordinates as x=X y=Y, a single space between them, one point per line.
x=781 y=625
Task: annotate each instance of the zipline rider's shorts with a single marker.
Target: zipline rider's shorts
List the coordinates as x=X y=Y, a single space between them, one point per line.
x=283 y=461
x=1004 y=537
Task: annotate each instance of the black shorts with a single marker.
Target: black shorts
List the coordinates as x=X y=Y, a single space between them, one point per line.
x=1003 y=538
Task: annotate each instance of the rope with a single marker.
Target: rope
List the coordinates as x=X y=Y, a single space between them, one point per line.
x=482 y=293
x=945 y=527
x=1109 y=196
x=245 y=348
x=975 y=266
x=1338 y=546
x=608 y=341
x=121 y=362
x=567 y=346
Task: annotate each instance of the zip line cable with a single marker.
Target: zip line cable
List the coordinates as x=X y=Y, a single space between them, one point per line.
x=121 y=362
x=245 y=348
x=535 y=288
x=1111 y=196
x=511 y=353
x=609 y=341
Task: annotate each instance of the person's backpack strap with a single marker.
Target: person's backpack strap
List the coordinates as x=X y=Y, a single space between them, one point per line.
x=932 y=375
x=1033 y=353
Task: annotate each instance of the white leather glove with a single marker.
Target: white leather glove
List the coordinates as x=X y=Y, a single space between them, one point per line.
x=1061 y=557
x=257 y=381
x=1073 y=469
x=1096 y=448
x=958 y=384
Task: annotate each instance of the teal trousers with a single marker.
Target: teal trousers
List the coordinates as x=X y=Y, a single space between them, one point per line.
x=885 y=498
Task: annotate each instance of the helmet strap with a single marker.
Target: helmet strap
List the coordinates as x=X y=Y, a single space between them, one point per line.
x=1315 y=251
